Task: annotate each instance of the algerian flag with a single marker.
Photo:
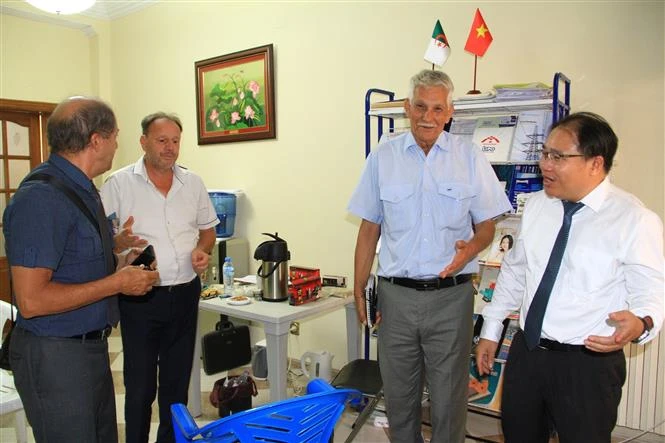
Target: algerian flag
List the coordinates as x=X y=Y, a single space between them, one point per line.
x=438 y=49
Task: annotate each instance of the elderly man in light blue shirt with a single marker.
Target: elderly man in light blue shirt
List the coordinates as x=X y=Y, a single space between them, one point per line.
x=431 y=197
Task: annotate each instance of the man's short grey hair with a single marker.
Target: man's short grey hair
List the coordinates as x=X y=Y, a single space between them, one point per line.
x=430 y=78
x=149 y=119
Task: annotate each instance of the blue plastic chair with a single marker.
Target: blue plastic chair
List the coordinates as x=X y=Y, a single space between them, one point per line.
x=310 y=418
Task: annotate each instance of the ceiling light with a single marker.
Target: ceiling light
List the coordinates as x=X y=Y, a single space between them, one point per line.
x=62 y=6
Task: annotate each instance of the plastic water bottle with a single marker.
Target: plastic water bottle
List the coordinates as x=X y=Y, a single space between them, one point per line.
x=227 y=275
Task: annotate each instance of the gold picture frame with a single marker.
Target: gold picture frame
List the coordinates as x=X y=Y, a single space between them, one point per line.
x=235 y=96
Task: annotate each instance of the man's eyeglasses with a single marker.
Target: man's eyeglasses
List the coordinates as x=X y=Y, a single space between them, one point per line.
x=556 y=157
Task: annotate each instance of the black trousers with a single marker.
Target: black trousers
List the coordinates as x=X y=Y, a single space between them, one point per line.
x=577 y=392
x=66 y=387
x=158 y=329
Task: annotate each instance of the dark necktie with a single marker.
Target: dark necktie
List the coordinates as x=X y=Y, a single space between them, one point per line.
x=109 y=257
x=534 y=318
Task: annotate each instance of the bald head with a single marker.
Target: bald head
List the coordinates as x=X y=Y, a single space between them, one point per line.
x=75 y=120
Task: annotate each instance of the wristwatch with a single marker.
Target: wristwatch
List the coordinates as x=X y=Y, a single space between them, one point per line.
x=648 y=326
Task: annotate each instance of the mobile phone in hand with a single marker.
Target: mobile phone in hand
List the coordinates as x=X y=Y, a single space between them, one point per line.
x=146 y=257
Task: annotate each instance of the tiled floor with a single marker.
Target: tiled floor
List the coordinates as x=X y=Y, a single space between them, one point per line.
x=477 y=425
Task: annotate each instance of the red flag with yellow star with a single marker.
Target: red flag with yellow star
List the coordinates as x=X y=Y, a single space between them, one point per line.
x=479 y=36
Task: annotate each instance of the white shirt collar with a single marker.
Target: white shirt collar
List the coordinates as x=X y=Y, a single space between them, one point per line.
x=594 y=199
x=139 y=169
x=410 y=141
x=598 y=195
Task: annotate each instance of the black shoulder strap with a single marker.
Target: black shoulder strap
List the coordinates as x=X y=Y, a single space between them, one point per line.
x=11 y=294
x=73 y=196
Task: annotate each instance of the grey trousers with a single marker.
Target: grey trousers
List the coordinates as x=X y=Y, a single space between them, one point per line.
x=425 y=337
x=66 y=388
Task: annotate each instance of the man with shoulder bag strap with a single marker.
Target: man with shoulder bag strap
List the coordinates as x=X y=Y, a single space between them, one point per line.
x=63 y=271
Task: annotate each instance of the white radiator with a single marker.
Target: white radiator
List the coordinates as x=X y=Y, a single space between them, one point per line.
x=643 y=398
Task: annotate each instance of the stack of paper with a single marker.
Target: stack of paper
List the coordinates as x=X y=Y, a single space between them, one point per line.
x=483 y=97
x=399 y=103
x=463 y=127
x=522 y=91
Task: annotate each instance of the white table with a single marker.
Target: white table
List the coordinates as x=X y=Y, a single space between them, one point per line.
x=276 y=318
x=11 y=402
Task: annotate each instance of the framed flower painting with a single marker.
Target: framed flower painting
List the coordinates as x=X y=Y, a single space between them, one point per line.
x=235 y=96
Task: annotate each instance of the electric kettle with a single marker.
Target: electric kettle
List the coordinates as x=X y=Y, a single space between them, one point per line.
x=320 y=364
x=274 y=269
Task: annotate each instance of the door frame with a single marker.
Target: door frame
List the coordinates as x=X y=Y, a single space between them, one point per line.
x=37 y=113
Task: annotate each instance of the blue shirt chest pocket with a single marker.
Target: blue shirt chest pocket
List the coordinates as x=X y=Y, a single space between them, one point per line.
x=84 y=244
x=400 y=207
x=453 y=204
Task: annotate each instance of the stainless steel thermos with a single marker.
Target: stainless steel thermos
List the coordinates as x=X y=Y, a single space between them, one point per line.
x=274 y=269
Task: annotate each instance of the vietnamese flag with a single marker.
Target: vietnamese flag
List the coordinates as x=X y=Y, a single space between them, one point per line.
x=479 y=36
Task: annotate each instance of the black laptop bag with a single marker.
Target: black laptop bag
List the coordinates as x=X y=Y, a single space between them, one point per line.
x=225 y=348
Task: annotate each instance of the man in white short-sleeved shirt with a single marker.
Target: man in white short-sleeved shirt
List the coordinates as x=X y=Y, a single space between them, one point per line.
x=167 y=206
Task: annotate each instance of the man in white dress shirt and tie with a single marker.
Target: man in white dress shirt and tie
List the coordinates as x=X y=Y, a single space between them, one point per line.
x=584 y=288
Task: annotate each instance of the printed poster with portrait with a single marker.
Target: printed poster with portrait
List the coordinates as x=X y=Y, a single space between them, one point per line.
x=505 y=237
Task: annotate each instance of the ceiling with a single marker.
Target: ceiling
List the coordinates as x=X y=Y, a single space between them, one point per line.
x=112 y=9
x=101 y=10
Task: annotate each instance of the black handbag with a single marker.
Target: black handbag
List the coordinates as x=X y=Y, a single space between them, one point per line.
x=7 y=330
x=225 y=348
x=6 y=339
x=233 y=394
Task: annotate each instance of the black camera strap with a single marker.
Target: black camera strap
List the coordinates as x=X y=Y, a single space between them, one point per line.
x=73 y=196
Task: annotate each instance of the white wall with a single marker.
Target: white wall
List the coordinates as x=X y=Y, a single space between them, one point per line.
x=51 y=59
x=326 y=56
